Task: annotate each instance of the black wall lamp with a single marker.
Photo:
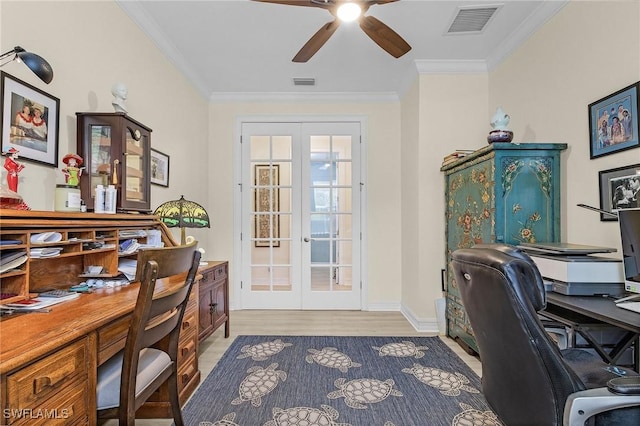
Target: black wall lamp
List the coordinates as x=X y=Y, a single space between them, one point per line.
x=36 y=63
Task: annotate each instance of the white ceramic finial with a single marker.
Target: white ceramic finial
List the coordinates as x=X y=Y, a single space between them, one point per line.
x=500 y=120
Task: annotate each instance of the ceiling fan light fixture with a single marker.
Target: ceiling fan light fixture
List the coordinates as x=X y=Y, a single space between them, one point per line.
x=349 y=11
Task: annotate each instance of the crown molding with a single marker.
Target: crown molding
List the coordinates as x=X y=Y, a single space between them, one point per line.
x=155 y=34
x=455 y=66
x=544 y=12
x=301 y=97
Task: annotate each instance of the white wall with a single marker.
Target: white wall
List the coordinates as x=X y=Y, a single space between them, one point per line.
x=91 y=46
x=441 y=113
x=587 y=51
x=409 y=271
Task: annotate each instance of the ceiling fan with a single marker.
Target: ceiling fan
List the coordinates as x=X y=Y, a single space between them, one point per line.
x=384 y=36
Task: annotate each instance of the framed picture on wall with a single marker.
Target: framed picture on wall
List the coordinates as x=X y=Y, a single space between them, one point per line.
x=266 y=203
x=613 y=122
x=159 y=168
x=29 y=121
x=619 y=189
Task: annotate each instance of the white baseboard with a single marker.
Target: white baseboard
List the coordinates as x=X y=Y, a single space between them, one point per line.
x=423 y=325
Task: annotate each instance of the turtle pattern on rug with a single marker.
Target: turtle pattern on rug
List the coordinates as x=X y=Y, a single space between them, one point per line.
x=339 y=381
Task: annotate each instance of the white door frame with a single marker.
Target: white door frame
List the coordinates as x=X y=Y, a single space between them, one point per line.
x=237 y=194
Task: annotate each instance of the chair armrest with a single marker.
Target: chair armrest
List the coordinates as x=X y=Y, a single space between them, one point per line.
x=629 y=385
x=620 y=392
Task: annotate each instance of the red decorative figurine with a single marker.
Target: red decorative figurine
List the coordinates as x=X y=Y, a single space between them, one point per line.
x=13 y=168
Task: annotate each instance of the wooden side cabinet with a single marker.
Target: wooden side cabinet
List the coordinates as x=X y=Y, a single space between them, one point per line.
x=214 y=299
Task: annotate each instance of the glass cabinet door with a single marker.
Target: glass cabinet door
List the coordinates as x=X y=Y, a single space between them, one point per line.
x=116 y=151
x=135 y=168
x=100 y=167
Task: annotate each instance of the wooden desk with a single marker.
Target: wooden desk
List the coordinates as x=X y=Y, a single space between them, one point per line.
x=94 y=326
x=48 y=361
x=587 y=313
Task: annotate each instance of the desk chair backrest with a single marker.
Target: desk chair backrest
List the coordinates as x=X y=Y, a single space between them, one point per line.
x=524 y=377
x=155 y=322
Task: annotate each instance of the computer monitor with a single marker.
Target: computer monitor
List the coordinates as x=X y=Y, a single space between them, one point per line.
x=629 y=221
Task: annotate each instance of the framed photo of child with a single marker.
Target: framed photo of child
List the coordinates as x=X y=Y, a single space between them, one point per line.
x=29 y=120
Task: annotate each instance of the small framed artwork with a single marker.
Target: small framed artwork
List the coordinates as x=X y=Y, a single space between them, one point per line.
x=613 y=122
x=266 y=203
x=159 y=168
x=619 y=189
x=29 y=121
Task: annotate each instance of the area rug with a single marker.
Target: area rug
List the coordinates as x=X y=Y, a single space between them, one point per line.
x=340 y=381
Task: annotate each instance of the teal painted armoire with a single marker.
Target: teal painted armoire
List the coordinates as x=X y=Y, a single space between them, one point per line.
x=503 y=192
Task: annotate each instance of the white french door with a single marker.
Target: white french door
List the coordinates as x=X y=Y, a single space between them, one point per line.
x=300 y=224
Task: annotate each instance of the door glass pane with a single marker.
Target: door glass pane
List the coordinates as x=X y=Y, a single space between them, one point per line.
x=330 y=192
x=342 y=146
x=320 y=278
x=134 y=168
x=271 y=215
x=343 y=278
x=281 y=146
x=100 y=157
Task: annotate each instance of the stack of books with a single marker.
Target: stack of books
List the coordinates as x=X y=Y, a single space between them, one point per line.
x=455 y=155
x=11 y=259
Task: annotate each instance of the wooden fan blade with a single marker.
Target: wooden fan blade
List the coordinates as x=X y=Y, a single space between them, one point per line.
x=306 y=3
x=316 y=41
x=372 y=2
x=384 y=36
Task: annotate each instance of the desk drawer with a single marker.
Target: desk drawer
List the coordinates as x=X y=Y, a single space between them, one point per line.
x=189 y=322
x=71 y=408
x=187 y=372
x=217 y=273
x=32 y=385
x=112 y=337
x=188 y=346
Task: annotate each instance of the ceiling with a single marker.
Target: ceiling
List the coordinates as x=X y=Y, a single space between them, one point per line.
x=242 y=49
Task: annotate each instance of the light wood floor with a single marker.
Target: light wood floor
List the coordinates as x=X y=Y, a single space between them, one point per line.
x=309 y=323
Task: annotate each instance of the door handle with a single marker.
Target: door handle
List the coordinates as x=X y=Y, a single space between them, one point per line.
x=307 y=239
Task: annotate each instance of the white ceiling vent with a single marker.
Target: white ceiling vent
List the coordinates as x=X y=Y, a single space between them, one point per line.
x=304 y=81
x=472 y=19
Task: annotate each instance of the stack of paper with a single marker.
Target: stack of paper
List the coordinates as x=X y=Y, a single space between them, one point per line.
x=128 y=246
x=38 y=303
x=130 y=233
x=11 y=259
x=45 y=252
x=128 y=268
x=46 y=237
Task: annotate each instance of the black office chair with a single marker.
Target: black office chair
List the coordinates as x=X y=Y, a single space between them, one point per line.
x=526 y=378
x=149 y=358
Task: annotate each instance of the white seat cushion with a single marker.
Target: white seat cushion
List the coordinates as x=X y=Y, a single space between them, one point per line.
x=152 y=362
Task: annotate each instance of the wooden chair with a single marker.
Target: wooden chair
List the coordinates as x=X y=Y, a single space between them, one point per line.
x=126 y=380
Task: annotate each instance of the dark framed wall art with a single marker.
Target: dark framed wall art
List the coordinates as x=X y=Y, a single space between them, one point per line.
x=29 y=121
x=159 y=168
x=619 y=189
x=266 y=205
x=613 y=122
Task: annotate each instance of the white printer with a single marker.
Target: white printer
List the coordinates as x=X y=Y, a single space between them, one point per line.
x=577 y=270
